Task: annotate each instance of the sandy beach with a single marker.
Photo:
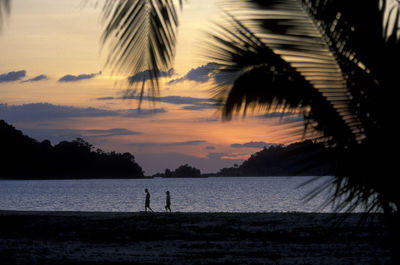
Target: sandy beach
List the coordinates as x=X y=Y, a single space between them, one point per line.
x=188 y=238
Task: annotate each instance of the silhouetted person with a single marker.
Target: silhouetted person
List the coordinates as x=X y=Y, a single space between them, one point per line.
x=147 y=201
x=168 y=202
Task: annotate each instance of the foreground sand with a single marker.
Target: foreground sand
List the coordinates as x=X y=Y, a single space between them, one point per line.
x=187 y=238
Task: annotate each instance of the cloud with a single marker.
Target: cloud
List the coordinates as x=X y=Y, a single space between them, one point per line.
x=35 y=79
x=46 y=111
x=177 y=100
x=109 y=132
x=191 y=102
x=252 y=145
x=146 y=75
x=284 y=117
x=136 y=113
x=12 y=76
x=200 y=106
x=58 y=135
x=106 y=98
x=200 y=74
x=210 y=147
x=76 y=78
x=226 y=78
x=184 y=143
x=208 y=72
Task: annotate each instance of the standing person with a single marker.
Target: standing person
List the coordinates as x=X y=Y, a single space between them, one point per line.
x=168 y=202
x=147 y=201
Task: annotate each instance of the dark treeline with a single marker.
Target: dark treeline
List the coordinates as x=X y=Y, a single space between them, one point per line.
x=184 y=171
x=24 y=157
x=304 y=158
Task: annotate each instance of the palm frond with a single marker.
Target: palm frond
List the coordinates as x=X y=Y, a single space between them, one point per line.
x=142 y=35
x=5 y=7
x=339 y=60
x=269 y=80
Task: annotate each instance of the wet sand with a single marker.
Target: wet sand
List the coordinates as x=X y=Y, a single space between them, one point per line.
x=188 y=238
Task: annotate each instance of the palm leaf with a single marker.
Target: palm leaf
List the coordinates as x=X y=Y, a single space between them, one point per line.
x=339 y=83
x=142 y=35
x=5 y=7
x=270 y=80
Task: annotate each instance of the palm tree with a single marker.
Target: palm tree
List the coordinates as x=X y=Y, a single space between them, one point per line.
x=337 y=66
x=334 y=61
x=325 y=59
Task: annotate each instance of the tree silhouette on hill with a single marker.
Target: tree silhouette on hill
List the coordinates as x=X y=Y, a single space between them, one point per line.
x=24 y=157
x=183 y=171
x=304 y=158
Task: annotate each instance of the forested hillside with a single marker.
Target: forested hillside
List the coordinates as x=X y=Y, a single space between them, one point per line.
x=24 y=157
x=304 y=158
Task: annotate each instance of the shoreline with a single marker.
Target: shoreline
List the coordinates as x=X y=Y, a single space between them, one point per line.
x=152 y=177
x=40 y=237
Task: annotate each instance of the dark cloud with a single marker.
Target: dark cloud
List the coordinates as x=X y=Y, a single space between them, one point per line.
x=106 y=98
x=210 y=147
x=35 y=79
x=200 y=74
x=58 y=135
x=12 y=76
x=177 y=100
x=200 y=106
x=226 y=78
x=76 y=78
x=109 y=132
x=145 y=144
x=136 y=113
x=208 y=72
x=146 y=75
x=46 y=111
x=285 y=117
x=191 y=102
x=253 y=145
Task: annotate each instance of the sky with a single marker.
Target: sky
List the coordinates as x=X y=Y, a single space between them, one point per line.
x=54 y=84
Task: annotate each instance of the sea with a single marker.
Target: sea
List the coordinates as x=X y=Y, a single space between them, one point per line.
x=213 y=194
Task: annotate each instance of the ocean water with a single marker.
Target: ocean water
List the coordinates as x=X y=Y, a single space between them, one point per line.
x=216 y=194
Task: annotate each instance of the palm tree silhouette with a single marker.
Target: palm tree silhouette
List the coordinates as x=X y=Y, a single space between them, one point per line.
x=335 y=62
x=324 y=59
x=335 y=65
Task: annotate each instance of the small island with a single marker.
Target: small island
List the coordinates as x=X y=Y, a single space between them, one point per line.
x=184 y=171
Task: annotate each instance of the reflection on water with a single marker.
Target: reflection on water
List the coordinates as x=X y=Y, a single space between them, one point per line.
x=229 y=194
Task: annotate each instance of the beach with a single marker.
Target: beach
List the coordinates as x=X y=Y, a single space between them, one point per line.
x=189 y=238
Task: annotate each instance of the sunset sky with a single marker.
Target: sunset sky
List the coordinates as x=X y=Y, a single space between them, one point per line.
x=54 y=85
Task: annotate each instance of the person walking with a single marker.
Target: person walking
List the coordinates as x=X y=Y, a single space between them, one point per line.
x=168 y=203
x=147 y=201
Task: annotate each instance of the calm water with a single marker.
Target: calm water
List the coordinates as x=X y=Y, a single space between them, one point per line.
x=239 y=194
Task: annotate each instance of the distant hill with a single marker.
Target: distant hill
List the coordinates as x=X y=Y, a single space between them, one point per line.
x=304 y=158
x=24 y=157
x=184 y=171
